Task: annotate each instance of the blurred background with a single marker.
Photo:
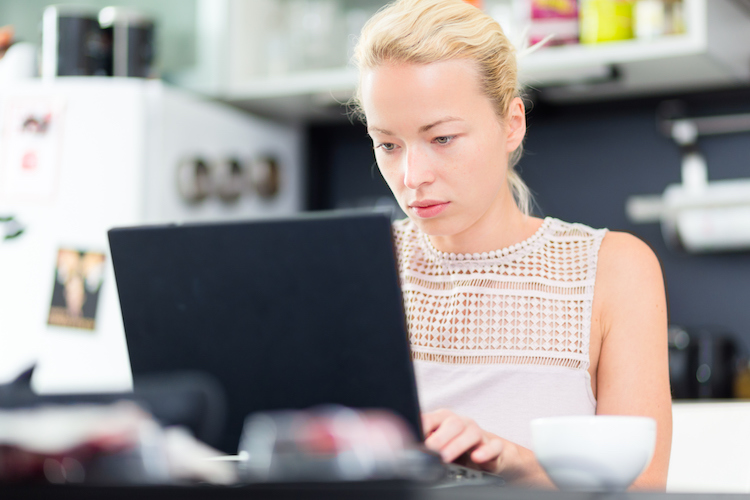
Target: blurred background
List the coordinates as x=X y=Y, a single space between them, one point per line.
x=190 y=110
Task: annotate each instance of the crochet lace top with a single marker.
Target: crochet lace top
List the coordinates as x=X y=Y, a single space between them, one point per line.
x=502 y=337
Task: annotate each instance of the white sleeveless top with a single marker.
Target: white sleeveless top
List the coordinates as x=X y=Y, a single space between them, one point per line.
x=502 y=337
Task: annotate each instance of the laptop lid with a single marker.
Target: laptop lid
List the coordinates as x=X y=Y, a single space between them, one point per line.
x=284 y=313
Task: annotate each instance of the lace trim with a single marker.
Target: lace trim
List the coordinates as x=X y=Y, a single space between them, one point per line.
x=506 y=359
x=570 y=291
x=515 y=250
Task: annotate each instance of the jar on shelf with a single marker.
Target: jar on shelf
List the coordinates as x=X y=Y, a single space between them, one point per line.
x=655 y=18
x=558 y=18
x=674 y=17
x=606 y=20
x=649 y=18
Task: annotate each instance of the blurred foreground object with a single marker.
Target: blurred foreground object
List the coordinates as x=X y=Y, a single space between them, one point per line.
x=332 y=444
x=594 y=452
x=153 y=435
x=118 y=443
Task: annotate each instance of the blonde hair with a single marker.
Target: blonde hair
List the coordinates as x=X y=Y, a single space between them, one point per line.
x=426 y=31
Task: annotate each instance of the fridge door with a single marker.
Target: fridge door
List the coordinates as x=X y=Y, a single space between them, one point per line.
x=69 y=157
x=79 y=156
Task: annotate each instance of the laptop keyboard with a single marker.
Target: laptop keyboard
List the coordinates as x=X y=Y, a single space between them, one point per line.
x=458 y=475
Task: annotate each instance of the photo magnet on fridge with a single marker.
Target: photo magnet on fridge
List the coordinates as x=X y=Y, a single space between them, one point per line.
x=78 y=280
x=30 y=147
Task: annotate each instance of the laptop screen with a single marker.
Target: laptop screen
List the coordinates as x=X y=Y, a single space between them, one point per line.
x=284 y=313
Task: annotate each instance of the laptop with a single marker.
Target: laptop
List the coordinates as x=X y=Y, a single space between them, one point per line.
x=286 y=313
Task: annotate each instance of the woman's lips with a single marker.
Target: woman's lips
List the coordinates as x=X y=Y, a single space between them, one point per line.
x=428 y=208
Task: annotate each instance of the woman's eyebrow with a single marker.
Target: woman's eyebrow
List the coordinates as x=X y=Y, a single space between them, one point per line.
x=379 y=130
x=425 y=128
x=422 y=129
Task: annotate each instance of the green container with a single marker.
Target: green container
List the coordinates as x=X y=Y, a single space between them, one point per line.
x=606 y=20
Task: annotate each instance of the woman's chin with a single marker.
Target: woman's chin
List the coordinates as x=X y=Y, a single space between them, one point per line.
x=437 y=227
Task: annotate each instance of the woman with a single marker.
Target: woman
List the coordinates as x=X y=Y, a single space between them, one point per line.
x=511 y=317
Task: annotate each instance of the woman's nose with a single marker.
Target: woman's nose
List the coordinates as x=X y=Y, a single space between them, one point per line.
x=417 y=169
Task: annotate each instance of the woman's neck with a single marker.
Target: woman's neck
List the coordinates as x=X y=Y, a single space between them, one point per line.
x=500 y=228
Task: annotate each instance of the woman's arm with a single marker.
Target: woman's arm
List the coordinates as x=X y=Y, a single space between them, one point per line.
x=632 y=377
x=630 y=311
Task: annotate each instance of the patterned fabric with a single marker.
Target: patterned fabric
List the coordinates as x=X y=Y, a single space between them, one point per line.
x=511 y=325
x=528 y=304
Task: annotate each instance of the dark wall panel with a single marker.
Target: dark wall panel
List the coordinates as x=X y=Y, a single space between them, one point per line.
x=583 y=162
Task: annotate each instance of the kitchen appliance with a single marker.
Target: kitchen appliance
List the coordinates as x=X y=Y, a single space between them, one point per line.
x=81 y=155
x=73 y=43
x=84 y=41
x=702 y=363
x=132 y=36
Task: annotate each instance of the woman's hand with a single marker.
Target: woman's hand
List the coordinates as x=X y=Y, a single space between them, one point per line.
x=460 y=438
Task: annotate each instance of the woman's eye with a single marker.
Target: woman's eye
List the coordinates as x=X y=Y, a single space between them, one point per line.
x=445 y=139
x=387 y=146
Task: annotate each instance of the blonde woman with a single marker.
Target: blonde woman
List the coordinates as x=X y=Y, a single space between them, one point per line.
x=511 y=317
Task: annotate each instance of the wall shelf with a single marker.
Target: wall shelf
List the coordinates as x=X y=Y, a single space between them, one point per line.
x=713 y=53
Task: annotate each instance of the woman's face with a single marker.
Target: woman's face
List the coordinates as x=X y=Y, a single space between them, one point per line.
x=440 y=145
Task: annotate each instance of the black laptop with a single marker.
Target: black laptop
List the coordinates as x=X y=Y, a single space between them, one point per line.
x=285 y=313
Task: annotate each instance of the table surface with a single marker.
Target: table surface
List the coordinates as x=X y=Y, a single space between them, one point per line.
x=330 y=491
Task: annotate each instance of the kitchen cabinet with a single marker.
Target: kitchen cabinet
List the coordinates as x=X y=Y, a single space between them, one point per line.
x=713 y=52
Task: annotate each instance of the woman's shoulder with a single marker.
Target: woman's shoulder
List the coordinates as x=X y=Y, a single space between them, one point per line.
x=628 y=273
x=623 y=253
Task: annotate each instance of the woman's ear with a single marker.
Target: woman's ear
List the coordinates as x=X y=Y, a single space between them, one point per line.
x=516 y=124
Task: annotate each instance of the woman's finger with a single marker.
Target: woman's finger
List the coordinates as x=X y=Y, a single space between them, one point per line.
x=488 y=451
x=447 y=430
x=432 y=420
x=469 y=438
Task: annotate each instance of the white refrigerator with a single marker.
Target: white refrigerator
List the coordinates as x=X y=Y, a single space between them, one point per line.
x=79 y=156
